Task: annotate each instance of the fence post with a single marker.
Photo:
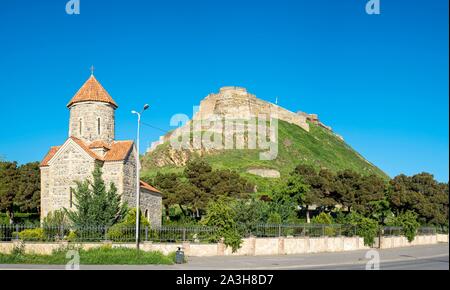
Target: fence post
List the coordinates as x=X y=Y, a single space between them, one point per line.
x=105 y=235
x=17 y=232
x=323 y=230
x=279 y=230
x=184 y=234
x=146 y=233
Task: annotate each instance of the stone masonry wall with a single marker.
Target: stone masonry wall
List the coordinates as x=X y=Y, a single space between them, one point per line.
x=88 y=113
x=249 y=247
x=150 y=202
x=71 y=165
x=113 y=173
x=237 y=103
x=151 y=206
x=129 y=178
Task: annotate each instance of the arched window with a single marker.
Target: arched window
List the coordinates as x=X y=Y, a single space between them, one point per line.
x=146 y=214
x=98 y=126
x=80 y=125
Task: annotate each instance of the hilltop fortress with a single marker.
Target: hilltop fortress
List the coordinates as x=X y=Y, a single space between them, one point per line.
x=237 y=103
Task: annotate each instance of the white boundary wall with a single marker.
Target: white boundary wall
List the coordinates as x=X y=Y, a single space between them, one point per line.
x=249 y=247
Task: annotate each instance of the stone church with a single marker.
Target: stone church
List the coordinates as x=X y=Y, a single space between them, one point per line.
x=91 y=142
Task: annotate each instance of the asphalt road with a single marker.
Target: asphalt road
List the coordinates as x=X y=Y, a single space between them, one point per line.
x=433 y=257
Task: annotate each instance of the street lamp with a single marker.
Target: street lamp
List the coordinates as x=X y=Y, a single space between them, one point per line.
x=138 y=182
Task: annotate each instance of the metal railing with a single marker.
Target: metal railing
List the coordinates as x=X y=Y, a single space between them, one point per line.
x=399 y=231
x=392 y=231
x=304 y=230
x=194 y=234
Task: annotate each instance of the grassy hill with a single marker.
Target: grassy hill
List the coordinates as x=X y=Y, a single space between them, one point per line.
x=319 y=148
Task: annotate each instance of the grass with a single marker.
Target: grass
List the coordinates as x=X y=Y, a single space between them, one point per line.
x=96 y=256
x=318 y=147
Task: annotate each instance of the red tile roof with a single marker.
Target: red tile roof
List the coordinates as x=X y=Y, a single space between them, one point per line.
x=99 y=144
x=92 y=90
x=86 y=148
x=49 y=155
x=149 y=187
x=119 y=150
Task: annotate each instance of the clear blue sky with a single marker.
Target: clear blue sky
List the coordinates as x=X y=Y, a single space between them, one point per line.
x=381 y=81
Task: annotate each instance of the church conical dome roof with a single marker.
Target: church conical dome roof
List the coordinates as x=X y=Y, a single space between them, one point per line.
x=92 y=90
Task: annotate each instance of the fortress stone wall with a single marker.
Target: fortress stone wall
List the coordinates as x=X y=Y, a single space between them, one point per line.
x=236 y=103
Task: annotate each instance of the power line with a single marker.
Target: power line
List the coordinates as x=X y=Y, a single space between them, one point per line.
x=154 y=127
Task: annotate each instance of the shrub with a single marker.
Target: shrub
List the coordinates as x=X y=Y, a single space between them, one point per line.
x=125 y=230
x=72 y=236
x=365 y=227
x=325 y=219
x=408 y=222
x=32 y=235
x=248 y=214
x=368 y=229
x=56 y=225
x=274 y=218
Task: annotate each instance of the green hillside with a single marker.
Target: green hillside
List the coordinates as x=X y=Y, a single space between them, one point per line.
x=319 y=148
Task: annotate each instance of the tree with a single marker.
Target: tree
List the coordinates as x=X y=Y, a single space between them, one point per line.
x=422 y=194
x=28 y=194
x=190 y=197
x=168 y=184
x=227 y=183
x=96 y=206
x=347 y=187
x=198 y=172
x=8 y=187
x=321 y=188
x=284 y=206
x=207 y=184
x=296 y=190
x=249 y=213
x=370 y=198
x=220 y=215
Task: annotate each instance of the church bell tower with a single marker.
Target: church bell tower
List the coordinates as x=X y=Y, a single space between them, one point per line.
x=92 y=113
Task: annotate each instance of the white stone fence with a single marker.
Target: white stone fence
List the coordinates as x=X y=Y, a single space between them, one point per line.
x=249 y=247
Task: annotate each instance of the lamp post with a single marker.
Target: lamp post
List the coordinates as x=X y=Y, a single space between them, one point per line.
x=138 y=182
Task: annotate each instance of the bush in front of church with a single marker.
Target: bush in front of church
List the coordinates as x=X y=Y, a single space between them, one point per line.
x=32 y=235
x=125 y=231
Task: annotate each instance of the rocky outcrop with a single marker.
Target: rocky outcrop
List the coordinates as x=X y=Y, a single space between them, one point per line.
x=267 y=173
